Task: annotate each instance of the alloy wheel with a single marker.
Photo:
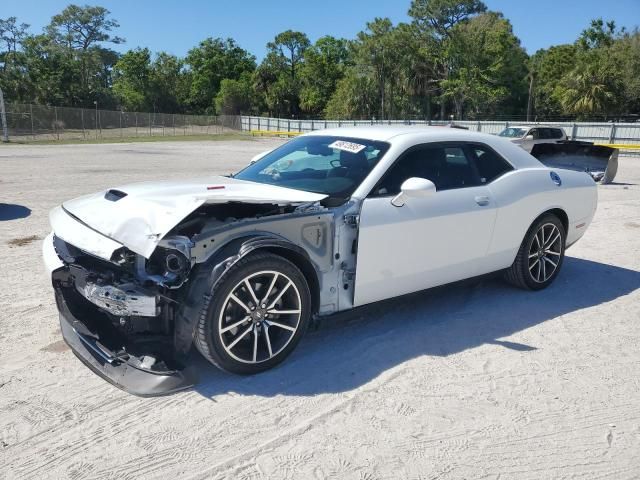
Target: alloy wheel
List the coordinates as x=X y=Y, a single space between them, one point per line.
x=260 y=317
x=545 y=253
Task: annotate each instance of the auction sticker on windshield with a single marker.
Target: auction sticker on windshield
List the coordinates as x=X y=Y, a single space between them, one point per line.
x=347 y=146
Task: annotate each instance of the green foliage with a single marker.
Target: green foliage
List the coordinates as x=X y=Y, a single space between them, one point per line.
x=52 y=76
x=592 y=87
x=235 y=96
x=587 y=91
x=355 y=97
x=386 y=56
x=12 y=59
x=82 y=32
x=132 y=75
x=289 y=47
x=548 y=67
x=489 y=66
x=436 y=22
x=599 y=34
x=11 y=34
x=211 y=62
x=597 y=76
x=81 y=28
x=141 y=85
x=324 y=65
x=68 y=65
x=168 y=86
x=278 y=77
x=454 y=58
x=440 y=16
x=625 y=53
x=376 y=58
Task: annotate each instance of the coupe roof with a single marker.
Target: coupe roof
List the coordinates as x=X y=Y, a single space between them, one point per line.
x=386 y=133
x=403 y=136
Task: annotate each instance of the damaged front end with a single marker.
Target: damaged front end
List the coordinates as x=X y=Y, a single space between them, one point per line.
x=599 y=161
x=119 y=323
x=133 y=272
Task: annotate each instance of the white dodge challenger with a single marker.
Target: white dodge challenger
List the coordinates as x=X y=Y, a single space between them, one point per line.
x=332 y=220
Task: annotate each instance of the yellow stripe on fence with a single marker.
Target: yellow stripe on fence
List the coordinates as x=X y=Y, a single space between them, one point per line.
x=269 y=133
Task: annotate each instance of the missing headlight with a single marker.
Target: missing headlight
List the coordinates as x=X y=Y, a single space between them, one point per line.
x=168 y=267
x=176 y=263
x=170 y=263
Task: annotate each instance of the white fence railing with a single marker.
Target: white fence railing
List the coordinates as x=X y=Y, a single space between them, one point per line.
x=593 y=132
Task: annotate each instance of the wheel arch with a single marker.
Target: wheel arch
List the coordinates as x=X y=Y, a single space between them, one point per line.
x=236 y=249
x=524 y=229
x=209 y=273
x=558 y=212
x=302 y=261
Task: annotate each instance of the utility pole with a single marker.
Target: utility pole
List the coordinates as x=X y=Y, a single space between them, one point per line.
x=3 y=115
x=95 y=102
x=530 y=100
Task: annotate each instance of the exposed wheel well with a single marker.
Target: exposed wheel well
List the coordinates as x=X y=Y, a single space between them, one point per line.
x=307 y=270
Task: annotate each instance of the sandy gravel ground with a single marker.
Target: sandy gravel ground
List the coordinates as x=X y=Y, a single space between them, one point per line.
x=473 y=381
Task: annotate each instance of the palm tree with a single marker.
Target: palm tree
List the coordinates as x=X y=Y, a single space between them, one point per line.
x=588 y=90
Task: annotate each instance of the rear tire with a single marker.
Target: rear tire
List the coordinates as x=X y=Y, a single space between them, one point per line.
x=540 y=256
x=256 y=315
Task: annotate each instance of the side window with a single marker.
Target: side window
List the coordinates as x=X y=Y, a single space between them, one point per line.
x=458 y=171
x=446 y=166
x=534 y=132
x=490 y=165
x=558 y=133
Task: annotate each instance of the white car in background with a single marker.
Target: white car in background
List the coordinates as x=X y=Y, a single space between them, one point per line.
x=329 y=221
x=527 y=137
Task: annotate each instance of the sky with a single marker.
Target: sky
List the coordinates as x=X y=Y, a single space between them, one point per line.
x=175 y=27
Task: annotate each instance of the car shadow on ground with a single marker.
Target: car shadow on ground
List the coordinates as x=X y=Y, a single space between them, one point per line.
x=10 y=211
x=347 y=351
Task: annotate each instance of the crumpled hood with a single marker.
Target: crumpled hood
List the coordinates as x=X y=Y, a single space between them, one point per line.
x=139 y=215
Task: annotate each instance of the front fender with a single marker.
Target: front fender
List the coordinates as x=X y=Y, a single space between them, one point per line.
x=206 y=276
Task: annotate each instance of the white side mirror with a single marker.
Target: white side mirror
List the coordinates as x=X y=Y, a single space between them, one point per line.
x=257 y=157
x=413 y=188
x=529 y=137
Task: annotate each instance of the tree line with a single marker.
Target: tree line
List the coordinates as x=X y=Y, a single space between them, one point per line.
x=454 y=59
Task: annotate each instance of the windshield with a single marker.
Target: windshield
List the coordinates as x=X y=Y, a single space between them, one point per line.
x=513 y=132
x=333 y=166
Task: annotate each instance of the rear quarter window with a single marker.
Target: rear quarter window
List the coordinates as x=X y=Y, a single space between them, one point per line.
x=489 y=164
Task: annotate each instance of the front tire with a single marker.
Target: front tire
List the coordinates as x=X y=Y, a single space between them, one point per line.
x=257 y=314
x=540 y=256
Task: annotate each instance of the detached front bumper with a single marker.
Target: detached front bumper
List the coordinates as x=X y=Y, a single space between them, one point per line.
x=85 y=331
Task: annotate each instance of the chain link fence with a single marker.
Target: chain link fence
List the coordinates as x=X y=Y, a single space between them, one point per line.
x=27 y=122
